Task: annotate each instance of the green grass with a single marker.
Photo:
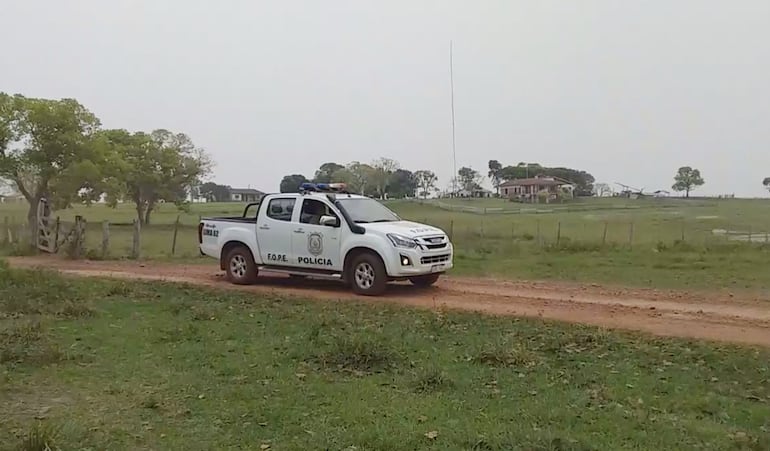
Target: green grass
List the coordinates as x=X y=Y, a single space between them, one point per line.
x=666 y=243
x=90 y=364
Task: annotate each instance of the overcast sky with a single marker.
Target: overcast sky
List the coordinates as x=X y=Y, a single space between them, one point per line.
x=627 y=90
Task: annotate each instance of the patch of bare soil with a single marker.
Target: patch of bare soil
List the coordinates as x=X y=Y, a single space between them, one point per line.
x=717 y=316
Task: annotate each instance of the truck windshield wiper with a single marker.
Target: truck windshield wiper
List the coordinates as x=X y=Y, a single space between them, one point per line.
x=384 y=220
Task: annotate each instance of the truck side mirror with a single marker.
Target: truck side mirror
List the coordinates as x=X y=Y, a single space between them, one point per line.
x=329 y=221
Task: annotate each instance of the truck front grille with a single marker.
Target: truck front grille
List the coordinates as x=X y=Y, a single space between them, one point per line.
x=434 y=259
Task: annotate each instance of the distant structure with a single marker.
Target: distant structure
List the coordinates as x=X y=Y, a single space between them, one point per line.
x=536 y=189
x=245 y=195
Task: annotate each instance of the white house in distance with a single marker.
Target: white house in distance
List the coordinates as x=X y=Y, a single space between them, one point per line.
x=528 y=190
x=245 y=195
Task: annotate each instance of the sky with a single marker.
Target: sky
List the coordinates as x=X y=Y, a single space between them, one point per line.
x=626 y=90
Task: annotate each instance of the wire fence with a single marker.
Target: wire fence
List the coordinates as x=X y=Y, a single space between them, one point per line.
x=178 y=239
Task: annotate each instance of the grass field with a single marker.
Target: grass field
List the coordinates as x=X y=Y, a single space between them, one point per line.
x=647 y=242
x=87 y=364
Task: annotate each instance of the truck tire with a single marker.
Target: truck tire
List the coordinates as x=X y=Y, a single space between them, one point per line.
x=240 y=266
x=367 y=275
x=424 y=281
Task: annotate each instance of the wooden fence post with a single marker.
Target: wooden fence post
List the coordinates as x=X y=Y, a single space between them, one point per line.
x=137 y=243
x=539 y=240
x=451 y=229
x=604 y=234
x=56 y=235
x=482 y=227
x=558 y=233
x=105 y=238
x=631 y=235
x=682 y=239
x=6 y=231
x=173 y=240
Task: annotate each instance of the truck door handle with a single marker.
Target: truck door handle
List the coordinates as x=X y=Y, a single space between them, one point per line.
x=264 y=227
x=299 y=231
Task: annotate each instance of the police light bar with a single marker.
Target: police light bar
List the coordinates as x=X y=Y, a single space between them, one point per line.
x=323 y=187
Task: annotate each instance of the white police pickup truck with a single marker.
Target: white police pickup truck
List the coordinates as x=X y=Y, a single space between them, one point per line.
x=325 y=232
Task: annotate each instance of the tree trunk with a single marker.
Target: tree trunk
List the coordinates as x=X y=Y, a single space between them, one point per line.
x=148 y=212
x=32 y=222
x=140 y=212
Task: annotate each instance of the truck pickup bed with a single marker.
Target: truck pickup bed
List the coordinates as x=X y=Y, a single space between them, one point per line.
x=342 y=236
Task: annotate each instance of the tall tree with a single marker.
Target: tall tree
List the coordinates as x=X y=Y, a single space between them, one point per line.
x=469 y=179
x=291 y=183
x=602 y=190
x=687 y=179
x=494 y=174
x=426 y=182
x=47 y=150
x=326 y=171
x=361 y=175
x=402 y=183
x=380 y=176
x=160 y=166
x=214 y=192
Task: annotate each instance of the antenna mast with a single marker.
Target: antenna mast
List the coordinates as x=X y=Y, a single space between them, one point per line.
x=452 y=97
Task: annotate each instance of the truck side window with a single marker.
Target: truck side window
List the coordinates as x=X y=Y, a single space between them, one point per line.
x=312 y=210
x=280 y=209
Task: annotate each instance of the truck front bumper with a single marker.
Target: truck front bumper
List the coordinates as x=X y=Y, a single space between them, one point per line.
x=406 y=263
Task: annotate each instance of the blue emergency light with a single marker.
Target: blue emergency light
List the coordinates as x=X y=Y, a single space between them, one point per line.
x=323 y=187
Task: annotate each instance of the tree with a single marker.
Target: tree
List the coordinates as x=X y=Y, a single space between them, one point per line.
x=47 y=150
x=149 y=168
x=602 y=190
x=326 y=171
x=494 y=174
x=520 y=171
x=766 y=182
x=361 y=175
x=469 y=179
x=291 y=183
x=214 y=192
x=687 y=179
x=382 y=169
x=426 y=182
x=402 y=183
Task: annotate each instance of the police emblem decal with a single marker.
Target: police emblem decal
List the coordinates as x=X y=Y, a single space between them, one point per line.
x=315 y=244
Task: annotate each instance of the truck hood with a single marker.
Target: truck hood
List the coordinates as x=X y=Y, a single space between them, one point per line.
x=404 y=228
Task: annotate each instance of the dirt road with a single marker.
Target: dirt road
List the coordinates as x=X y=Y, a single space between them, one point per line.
x=713 y=316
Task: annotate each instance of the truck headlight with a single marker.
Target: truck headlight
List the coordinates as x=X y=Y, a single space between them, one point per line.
x=401 y=241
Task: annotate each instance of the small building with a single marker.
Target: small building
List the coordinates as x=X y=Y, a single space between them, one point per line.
x=532 y=189
x=245 y=195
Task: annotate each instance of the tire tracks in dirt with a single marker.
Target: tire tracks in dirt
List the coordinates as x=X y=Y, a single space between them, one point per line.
x=717 y=316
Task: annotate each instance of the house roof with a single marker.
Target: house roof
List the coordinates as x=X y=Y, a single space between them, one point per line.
x=246 y=191
x=535 y=181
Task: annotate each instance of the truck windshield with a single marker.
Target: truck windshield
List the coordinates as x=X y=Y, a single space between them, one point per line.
x=363 y=211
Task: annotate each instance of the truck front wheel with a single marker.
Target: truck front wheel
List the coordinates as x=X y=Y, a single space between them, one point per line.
x=240 y=266
x=424 y=281
x=368 y=275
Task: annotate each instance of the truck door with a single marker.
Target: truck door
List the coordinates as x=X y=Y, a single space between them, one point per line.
x=314 y=245
x=274 y=232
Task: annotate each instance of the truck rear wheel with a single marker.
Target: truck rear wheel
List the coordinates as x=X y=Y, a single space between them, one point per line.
x=424 y=281
x=368 y=275
x=240 y=266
